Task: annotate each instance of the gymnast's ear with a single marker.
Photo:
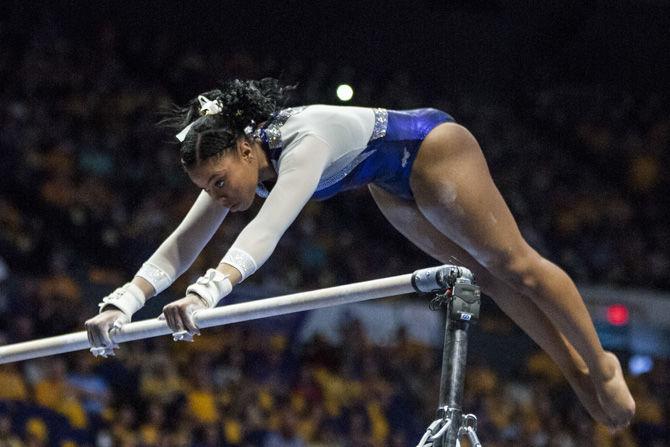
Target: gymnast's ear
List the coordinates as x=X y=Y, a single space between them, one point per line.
x=244 y=149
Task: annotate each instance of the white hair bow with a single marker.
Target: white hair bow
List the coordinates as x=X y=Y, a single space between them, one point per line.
x=207 y=107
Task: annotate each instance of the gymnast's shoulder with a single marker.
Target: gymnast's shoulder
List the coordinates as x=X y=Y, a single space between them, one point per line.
x=339 y=126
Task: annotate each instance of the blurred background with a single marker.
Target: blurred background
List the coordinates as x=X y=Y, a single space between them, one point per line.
x=570 y=101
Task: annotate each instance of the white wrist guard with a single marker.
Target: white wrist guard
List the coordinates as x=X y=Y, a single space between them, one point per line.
x=242 y=261
x=155 y=276
x=211 y=287
x=127 y=298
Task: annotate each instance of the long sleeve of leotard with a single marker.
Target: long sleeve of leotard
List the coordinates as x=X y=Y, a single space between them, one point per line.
x=176 y=254
x=297 y=179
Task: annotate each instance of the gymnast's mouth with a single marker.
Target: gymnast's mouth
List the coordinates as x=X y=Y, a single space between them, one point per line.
x=227 y=204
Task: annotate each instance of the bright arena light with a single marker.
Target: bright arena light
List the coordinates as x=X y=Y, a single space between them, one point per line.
x=617 y=315
x=640 y=364
x=345 y=92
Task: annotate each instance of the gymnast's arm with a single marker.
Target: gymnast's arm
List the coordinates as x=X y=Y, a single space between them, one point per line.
x=297 y=179
x=176 y=254
x=171 y=259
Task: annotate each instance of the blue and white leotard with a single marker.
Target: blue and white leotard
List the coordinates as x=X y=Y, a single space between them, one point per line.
x=317 y=151
x=367 y=145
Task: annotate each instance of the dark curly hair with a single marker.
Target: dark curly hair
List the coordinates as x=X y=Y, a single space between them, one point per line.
x=244 y=103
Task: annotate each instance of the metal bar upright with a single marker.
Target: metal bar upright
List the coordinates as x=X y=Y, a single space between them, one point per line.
x=452 y=381
x=460 y=302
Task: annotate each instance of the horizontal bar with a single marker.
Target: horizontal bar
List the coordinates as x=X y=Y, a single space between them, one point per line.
x=422 y=280
x=233 y=313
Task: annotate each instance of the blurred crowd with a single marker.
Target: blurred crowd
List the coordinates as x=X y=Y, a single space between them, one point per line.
x=89 y=182
x=90 y=186
x=241 y=387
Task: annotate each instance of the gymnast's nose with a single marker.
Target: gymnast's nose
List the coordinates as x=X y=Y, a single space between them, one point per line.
x=219 y=197
x=224 y=201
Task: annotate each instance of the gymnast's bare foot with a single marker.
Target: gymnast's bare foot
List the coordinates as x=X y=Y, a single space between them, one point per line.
x=614 y=395
x=582 y=384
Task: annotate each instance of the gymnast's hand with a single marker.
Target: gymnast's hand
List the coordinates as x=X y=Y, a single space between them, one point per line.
x=116 y=309
x=205 y=293
x=100 y=328
x=179 y=316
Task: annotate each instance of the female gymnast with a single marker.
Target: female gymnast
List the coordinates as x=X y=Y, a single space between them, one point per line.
x=427 y=174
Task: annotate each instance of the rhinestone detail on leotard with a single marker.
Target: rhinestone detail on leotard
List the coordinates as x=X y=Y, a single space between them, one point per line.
x=381 y=123
x=241 y=260
x=273 y=130
x=155 y=276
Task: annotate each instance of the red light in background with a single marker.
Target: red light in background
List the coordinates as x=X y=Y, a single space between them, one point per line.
x=617 y=315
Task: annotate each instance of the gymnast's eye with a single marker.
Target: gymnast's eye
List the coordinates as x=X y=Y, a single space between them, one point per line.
x=219 y=183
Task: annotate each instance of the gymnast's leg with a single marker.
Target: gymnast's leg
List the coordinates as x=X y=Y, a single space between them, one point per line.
x=453 y=189
x=408 y=220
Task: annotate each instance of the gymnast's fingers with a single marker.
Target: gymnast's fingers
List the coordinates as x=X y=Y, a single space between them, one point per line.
x=167 y=313
x=94 y=331
x=89 y=333
x=172 y=318
x=105 y=337
x=98 y=333
x=186 y=316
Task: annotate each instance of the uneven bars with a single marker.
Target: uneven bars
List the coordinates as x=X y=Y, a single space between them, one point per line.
x=424 y=280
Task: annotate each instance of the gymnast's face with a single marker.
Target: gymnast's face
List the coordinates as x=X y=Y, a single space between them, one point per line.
x=231 y=178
